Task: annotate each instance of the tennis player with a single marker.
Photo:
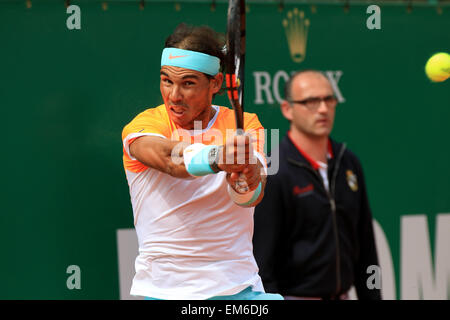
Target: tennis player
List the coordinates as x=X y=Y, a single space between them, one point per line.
x=192 y=213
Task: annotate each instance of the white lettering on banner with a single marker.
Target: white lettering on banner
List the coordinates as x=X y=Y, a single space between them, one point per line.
x=74 y=281
x=276 y=85
x=261 y=87
x=418 y=281
x=415 y=260
x=73 y=21
x=385 y=262
x=374 y=21
x=270 y=88
x=334 y=77
x=127 y=251
x=374 y=279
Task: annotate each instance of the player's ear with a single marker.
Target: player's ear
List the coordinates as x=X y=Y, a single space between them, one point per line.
x=286 y=110
x=217 y=82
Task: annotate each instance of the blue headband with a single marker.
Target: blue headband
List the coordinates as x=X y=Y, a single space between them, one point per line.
x=190 y=60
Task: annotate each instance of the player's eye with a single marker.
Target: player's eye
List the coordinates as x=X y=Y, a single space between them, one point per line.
x=166 y=80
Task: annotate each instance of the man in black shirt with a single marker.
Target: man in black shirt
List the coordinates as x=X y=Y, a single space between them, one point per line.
x=313 y=234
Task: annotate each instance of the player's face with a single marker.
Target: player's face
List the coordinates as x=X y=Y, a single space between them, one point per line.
x=312 y=122
x=187 y=95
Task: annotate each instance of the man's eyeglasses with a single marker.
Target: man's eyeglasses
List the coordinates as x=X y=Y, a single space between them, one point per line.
x=314 y=103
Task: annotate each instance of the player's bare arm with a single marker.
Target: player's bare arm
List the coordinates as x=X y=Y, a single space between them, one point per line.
x=167 y=156
x=156 y=153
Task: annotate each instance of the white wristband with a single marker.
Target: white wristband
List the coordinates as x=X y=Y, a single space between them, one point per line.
x=197 y=159
x=244 y=199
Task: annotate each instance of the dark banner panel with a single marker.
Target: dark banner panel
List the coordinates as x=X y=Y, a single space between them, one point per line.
x=68 y=85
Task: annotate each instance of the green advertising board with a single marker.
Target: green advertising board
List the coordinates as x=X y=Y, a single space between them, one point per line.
x=66 y=91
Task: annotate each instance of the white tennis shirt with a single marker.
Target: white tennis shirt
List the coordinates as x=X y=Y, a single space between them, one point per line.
x=194 y=242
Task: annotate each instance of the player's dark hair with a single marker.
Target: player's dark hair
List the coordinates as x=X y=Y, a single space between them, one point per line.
x=198 y=38
x=288 y=85
x=201 y=39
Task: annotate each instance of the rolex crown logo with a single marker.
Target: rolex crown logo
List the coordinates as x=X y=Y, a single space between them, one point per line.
x=296 y=28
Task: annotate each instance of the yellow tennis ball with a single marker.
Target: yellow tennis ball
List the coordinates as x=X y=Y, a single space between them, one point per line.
x=438 y=67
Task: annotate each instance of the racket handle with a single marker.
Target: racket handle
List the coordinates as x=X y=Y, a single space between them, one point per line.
x=241 y=185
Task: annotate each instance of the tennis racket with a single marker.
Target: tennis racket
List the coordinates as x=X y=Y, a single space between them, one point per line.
x=234 y=67
x=235 y=59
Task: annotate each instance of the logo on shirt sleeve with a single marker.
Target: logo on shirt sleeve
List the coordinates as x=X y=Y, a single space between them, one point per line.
x=352 y=180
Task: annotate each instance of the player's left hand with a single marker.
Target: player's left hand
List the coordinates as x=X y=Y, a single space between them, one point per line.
x=251 y=175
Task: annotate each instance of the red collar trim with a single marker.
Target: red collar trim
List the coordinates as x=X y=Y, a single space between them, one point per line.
x=330 y=149
x=313 y=163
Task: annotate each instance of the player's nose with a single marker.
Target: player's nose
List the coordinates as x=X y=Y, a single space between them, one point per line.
x=175 y=94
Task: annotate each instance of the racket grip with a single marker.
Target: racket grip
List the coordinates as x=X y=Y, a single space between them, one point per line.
x=241 y=185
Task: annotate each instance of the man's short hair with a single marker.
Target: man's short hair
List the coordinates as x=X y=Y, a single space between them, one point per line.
x=288 y=85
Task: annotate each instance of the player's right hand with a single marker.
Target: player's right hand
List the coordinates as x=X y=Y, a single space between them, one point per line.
x=236 y=154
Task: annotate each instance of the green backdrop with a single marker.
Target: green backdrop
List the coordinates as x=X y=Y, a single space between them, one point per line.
x=65 y=96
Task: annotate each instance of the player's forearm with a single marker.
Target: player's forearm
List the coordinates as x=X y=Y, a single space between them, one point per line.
x=184 y=160
x=161 y=154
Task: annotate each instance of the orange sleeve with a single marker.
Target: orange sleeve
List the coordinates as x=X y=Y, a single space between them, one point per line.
x=152 y=122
